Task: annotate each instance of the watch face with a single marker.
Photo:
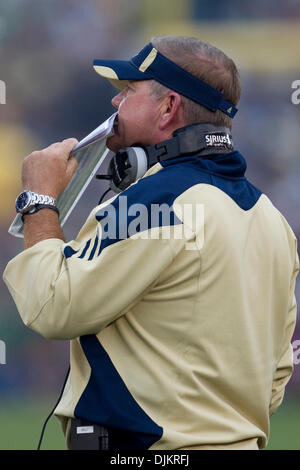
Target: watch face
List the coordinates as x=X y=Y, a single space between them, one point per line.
x=22 y=201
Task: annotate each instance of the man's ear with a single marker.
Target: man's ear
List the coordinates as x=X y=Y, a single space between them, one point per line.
x=171 y=110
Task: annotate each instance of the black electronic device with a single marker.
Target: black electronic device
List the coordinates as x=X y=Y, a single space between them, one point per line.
x=131 y=163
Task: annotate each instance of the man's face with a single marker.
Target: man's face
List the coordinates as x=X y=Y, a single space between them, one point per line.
x=138 y=117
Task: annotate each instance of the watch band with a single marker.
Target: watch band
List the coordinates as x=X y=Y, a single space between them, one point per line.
x=38 y=207
x=42 y=199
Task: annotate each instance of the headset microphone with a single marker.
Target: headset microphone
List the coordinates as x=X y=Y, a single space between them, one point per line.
x=131 y=163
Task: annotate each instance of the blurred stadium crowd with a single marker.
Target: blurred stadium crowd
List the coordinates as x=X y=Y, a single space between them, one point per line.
x=46 y=52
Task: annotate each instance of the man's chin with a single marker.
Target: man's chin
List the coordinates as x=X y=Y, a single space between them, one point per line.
x=114 y=144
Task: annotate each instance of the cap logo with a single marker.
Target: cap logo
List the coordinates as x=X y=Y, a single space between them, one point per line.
x=148 y=61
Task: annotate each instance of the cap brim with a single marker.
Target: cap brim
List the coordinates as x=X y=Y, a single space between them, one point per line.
x=118 y=72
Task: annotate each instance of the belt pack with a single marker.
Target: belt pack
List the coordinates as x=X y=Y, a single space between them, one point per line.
x=88 y=436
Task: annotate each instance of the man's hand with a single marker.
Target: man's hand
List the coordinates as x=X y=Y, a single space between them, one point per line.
x=49 y=171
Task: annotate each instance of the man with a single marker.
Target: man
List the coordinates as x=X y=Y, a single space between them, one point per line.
x=179 y=339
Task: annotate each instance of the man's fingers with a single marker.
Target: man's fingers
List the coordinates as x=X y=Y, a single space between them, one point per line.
x=72 y=166
x=68 y=145
x=70 y=142
x=63 y=148
x=49 y=171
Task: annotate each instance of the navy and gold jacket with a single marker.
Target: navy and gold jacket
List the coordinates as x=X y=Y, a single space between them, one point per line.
x=178 y=298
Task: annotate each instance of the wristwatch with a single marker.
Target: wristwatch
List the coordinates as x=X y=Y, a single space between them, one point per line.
x=27 y=200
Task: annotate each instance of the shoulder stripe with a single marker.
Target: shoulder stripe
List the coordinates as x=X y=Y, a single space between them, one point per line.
x=85 y=249
x=68 y=252
x=93 y=249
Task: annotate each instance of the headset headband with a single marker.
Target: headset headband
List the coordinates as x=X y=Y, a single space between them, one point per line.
x=131 y=163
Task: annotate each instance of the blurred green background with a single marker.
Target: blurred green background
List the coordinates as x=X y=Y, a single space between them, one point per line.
x=24 y=421
x=46 y=52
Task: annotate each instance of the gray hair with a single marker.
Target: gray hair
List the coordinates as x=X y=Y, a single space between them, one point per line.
x=207 y=63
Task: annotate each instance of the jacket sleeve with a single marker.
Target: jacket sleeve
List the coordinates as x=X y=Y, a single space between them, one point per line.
x=284 y=367
x=65 y=290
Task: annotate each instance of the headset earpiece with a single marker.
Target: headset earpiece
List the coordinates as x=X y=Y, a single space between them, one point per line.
x=128 y=165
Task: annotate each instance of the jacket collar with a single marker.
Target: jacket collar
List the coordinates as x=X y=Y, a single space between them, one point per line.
x=230 y=165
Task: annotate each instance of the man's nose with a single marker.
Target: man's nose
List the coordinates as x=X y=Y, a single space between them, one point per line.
x=116 y=100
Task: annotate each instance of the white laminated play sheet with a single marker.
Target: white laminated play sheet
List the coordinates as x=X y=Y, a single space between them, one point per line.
x=90 y=152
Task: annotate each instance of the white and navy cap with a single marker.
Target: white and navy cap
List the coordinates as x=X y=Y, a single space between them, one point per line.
x=149 y=64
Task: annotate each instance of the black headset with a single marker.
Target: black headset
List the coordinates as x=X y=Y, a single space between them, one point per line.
x=131 y=163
